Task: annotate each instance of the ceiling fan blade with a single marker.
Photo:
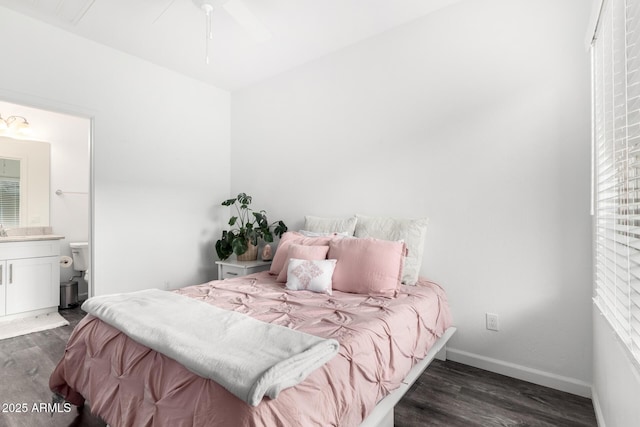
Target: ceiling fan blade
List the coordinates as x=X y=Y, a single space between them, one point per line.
x=166 y=7
x=241 y=13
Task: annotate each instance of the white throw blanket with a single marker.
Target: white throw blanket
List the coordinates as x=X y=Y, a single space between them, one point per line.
x=248 y=357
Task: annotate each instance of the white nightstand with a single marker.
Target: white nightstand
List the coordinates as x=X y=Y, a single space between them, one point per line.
x=233 y=268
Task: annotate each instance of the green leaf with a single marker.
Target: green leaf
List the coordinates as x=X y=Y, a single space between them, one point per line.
x=239 y=246
x=232 y=220
x=223 y=249
x=244 y=199
x=261 y=219
x=280 y=229
x=228 y=202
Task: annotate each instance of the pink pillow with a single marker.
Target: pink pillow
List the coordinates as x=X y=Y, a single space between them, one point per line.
x=367 y=266
x=304 y=253
x=281 y=256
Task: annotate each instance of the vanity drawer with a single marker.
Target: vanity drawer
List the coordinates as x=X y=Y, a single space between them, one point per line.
x=33 y=249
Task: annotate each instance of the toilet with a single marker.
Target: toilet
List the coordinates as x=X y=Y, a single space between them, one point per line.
x=81 y=261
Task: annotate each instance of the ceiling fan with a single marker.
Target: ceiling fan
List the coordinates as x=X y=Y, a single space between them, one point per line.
x=238 y=11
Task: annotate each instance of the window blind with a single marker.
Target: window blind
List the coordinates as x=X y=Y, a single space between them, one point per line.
x=9 y=202
x=616 y=132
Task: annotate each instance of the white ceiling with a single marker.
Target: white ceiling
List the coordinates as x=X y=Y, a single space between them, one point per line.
x=172 y=33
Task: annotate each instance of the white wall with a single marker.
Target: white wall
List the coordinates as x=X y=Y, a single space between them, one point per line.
x=160 y=153
x=69 y=137
x=476 y=116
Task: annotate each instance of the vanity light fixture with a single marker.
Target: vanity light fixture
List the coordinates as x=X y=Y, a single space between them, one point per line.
x=18 y=123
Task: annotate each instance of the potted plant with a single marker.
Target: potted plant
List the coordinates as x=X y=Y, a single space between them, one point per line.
x=247 y=227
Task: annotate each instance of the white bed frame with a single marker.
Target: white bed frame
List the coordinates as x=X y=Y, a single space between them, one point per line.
x=382 y=414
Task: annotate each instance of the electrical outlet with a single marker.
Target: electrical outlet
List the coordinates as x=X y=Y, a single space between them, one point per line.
x=492 y=321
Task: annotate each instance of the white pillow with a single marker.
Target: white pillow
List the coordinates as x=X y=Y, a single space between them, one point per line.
x=412 y=231
x=307 y=233
x=330 y=225
x=310 y=275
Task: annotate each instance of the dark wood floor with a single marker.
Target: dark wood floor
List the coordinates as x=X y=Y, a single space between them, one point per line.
x=452 y=394
x=26 y=363
x=447 y=394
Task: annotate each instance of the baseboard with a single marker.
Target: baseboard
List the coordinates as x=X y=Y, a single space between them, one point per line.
x=596 y=407
x=558 y=382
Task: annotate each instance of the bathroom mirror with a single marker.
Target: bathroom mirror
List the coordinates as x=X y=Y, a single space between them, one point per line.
x=10 y=192
x=24 y=183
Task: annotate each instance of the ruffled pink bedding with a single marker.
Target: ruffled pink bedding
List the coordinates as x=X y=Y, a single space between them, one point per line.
x=380 y=339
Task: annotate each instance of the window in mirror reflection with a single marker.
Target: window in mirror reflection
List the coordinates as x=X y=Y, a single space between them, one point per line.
x=9 y=192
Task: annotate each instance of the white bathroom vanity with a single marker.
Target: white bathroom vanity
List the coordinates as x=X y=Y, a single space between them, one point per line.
x=29 y=275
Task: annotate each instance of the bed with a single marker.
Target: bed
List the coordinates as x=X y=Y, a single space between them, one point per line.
x=385 y=343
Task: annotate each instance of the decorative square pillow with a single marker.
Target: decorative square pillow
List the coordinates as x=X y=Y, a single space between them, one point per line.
x=330 y=225
x=282 y=254
x=310 y=275
x=412 y=231
x=367 y=266
x=302 y=252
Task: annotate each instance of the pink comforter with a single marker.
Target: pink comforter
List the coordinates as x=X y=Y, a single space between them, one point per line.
x=380 y=339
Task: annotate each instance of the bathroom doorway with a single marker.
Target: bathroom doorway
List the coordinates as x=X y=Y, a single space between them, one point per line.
x=70 y=175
